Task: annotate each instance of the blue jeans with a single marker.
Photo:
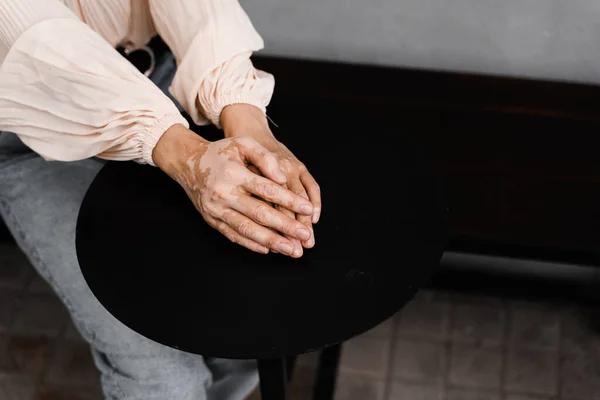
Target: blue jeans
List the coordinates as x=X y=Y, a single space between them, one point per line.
x=39 y=202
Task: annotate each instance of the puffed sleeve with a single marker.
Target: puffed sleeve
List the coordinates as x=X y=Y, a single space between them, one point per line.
x=212 y=41
x=68 y=94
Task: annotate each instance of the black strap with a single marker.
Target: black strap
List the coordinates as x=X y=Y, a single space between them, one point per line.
x=143 y=59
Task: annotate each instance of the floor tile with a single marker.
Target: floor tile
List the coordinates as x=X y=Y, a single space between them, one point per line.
x=436 y=341
x=385 y=329
x=304 y=393
x=477 y=322
x=457 y=297
x=39 y=315
x=534 y=325
x=470 y=394
x=532 y=371
x=579 y=372
x=404 y=391
x=25 y=355
x=580 y=330
x=427 y=316
x=357 y=386
x=419 y=361
x=367 y=355
x=15 y=266
x=73 y=365
x=472 y=366
x=303 y=377
x=12 y=388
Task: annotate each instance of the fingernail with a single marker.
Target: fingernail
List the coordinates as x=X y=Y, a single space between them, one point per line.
x=263 y=249
x=297 y=249
x=303 y=233
x=286 y=248
x=316 y=215
x=306 y=209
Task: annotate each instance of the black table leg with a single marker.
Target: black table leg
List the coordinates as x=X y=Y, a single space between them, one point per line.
x=290 y=367
x=273 y=378
x=327 y=370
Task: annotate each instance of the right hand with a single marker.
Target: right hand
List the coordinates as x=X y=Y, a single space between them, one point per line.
x=228 y=195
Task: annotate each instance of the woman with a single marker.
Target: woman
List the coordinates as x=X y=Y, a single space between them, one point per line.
x=66 y=94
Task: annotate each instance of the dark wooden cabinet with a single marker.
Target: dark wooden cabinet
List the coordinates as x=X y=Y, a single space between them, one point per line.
x=519 y=160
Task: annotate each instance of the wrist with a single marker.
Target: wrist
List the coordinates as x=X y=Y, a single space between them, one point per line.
x=175 y=147
x=246 y=120
x=241 y=119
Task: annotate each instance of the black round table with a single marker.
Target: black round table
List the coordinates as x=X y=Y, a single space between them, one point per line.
x=153 y=262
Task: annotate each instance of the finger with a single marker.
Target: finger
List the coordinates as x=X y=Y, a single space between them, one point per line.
x=297 y=187
x=235 y=237
x=264 y=160
x=257 y=233
x=276 y=194
x=297 y=243
x=298 y=251
x=314 y=194
x=265 y=215
x=307 y=220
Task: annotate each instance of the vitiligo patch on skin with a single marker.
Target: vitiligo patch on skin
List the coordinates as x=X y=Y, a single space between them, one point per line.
x=221 y=186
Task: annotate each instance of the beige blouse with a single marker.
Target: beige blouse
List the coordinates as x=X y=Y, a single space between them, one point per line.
x=69 y=95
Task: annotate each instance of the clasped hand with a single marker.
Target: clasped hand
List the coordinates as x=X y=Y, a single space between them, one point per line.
x=253 y=196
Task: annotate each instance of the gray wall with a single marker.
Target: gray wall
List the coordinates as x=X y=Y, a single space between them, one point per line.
x=552 y=39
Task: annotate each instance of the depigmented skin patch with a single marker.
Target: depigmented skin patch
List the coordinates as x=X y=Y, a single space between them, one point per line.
x=221 y=185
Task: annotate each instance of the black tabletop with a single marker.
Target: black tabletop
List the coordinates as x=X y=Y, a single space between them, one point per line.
x=153 y=262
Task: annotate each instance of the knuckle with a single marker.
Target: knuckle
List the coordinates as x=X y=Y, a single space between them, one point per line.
x=289 y=227
x=216 y=194
x=204 y=209
x=215 y=209
x=261 y=214
x=286 y=165
x=245 y=229
x=268 y=191
x=298 y=165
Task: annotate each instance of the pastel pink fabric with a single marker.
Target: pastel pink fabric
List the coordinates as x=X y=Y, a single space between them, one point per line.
x=69 y=95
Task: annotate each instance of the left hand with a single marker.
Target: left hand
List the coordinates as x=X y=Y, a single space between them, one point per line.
x=247 y=120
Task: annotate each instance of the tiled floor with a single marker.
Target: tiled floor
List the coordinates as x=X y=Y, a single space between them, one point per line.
x=443 y=346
